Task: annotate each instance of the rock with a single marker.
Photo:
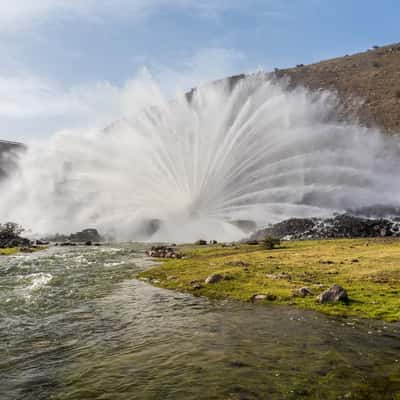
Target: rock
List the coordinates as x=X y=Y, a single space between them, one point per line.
x=197 y=286
x=334 y=294
x=26 y=250
x=201 y=242
x=280 y=275
x=214 y=278
x=238 y=263
x=302 y=292
x=213 y=242
x=348 y=225
x=87 y=235
x=163 y=252
x=258 y=297
x=261 y=297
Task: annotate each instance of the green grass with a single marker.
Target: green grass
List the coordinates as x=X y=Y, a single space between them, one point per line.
x=9 y=251
x=15 y=250
x=369 y=269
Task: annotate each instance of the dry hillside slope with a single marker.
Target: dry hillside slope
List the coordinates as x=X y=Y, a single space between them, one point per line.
x=368 y=84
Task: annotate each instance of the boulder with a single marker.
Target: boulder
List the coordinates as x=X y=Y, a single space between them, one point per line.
x=261 y=297
x=214 y=278
x=302 y=292
x=334 y=294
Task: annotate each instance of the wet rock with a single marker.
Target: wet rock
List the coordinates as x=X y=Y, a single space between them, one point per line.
x=163 y=252
x=26 y=250
x=214 y=278
x=334 y=294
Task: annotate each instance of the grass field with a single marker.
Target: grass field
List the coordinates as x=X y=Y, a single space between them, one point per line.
x=15 y=250
x=369 y=269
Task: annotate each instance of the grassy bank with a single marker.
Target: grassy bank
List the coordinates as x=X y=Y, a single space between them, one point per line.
x=369 y=269
x=9 y=251
x=15 y=250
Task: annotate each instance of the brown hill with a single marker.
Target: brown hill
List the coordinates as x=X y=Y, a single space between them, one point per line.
x=367 y=83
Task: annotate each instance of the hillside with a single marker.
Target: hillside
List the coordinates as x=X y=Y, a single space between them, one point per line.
x=368 y=84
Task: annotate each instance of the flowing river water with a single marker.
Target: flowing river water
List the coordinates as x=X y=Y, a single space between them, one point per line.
x=76 y=324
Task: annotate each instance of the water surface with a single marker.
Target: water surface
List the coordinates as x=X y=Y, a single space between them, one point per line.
x=76 y=324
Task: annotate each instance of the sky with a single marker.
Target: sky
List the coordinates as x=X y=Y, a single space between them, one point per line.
x=76 y=64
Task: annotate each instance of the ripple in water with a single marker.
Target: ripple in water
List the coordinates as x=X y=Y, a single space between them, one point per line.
x=97 y=333
x=195 y=166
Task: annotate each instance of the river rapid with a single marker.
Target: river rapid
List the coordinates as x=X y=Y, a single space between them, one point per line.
x=75 y=324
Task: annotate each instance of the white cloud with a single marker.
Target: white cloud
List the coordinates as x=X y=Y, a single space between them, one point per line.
x=31 y=106
x=18 y=15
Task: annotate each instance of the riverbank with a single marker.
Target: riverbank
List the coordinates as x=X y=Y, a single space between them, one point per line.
x=369 y=270
x=10 y=251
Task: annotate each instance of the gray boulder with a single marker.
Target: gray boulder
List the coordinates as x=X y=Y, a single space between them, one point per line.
x=334 y=294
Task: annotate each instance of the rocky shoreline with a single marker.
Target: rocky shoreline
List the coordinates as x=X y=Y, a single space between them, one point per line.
x=337 y=227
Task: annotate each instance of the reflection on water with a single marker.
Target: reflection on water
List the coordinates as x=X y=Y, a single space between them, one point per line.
x=75 y=324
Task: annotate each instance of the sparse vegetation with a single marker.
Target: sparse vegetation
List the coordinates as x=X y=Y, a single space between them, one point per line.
x=360 y=76
x=270 y=243
x=372 y=284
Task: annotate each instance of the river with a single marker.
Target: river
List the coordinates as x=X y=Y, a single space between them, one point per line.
x=76 y=324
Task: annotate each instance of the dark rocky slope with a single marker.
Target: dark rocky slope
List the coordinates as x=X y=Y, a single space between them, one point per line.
x=340 y=226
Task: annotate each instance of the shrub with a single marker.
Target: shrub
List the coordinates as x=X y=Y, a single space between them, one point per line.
x=11 y=229
x=270 y=243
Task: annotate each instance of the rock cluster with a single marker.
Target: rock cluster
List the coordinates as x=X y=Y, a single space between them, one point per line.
x=87 y=236
x=163 y=252
x=8 y=240
x=341 y=226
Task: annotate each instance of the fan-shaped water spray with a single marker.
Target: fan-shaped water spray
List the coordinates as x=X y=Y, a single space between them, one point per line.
x=193 y=167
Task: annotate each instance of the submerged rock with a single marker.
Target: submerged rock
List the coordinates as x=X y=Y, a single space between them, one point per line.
x=334 y=294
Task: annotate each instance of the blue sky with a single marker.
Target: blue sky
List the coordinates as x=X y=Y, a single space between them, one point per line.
x=72 y=63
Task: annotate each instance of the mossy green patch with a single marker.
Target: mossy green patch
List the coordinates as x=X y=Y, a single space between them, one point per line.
x=9 y=251
x=368 y=269
x=15 y=250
